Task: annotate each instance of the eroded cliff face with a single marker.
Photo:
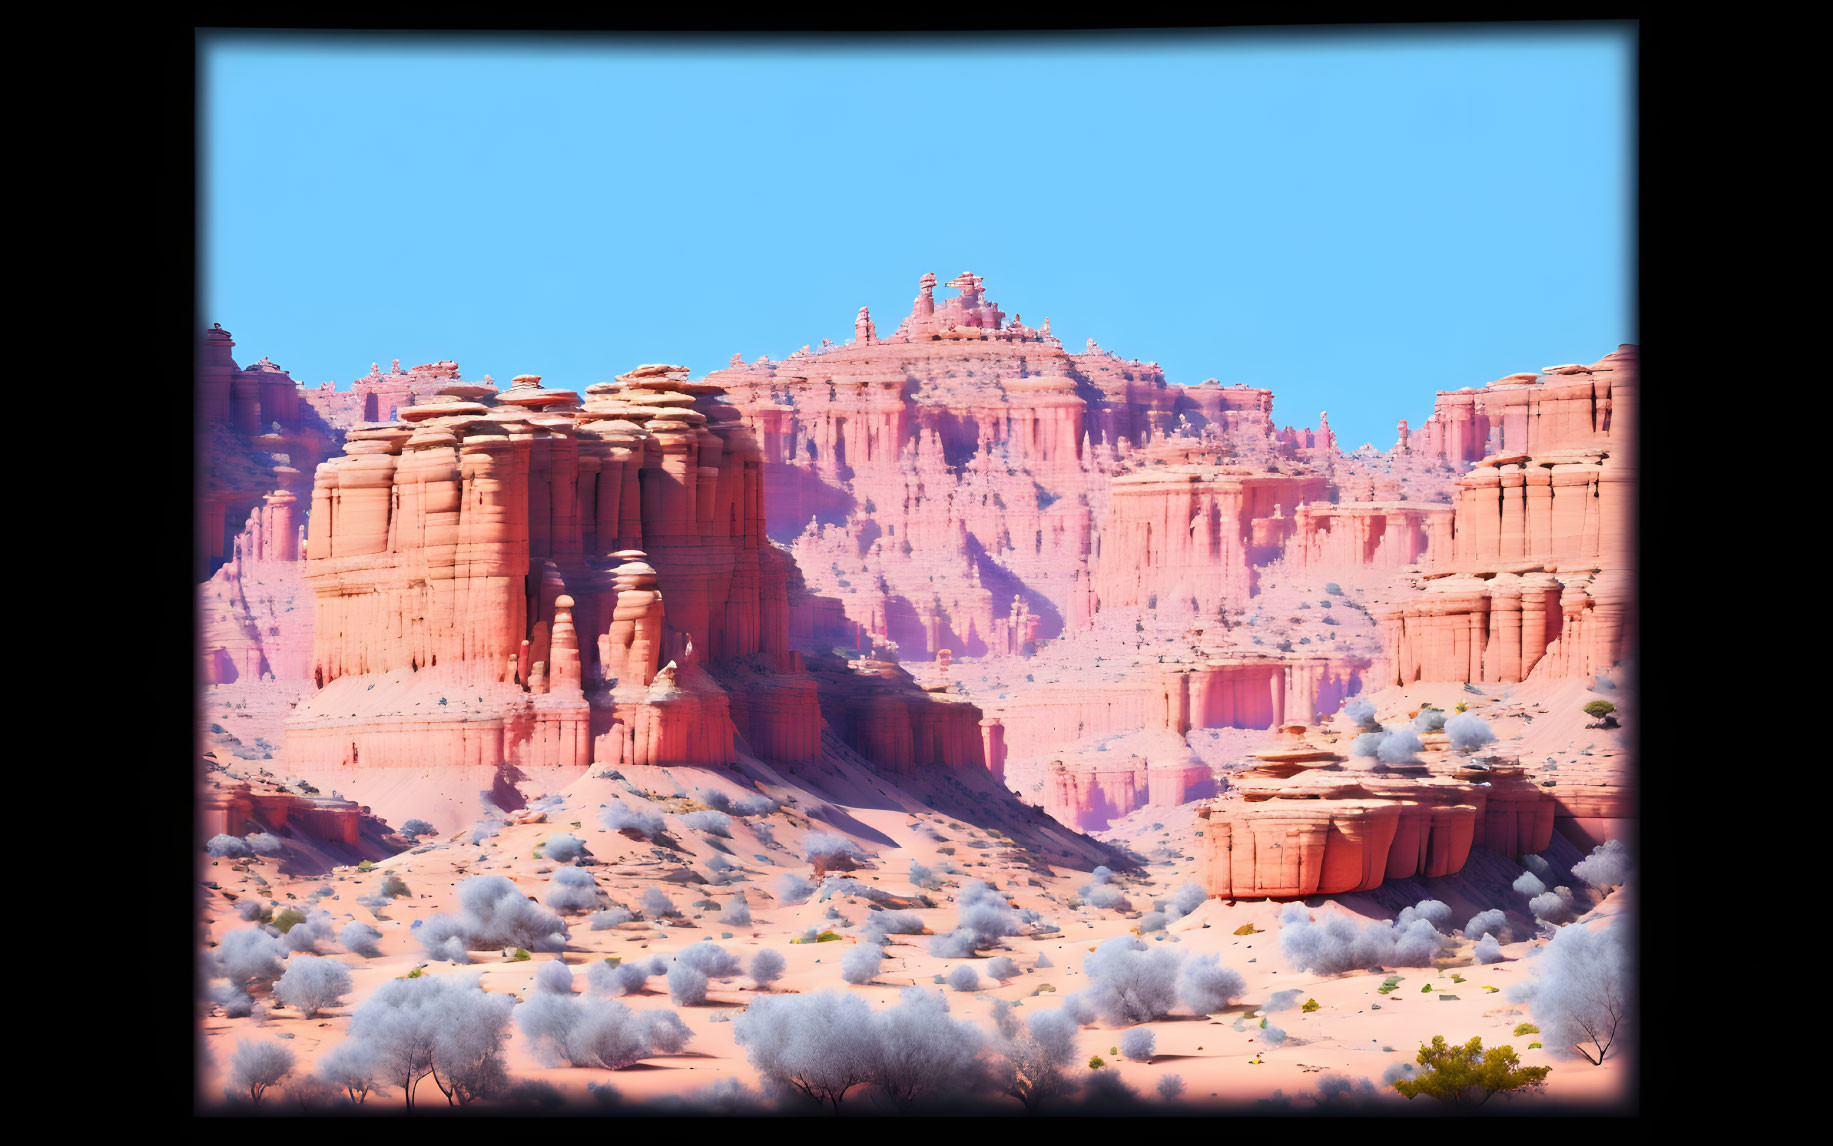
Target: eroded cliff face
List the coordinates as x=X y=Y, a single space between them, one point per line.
x=254 y=621
x=948 y=484
x=519 y=576
x=1101 y=587
x=1538 y=579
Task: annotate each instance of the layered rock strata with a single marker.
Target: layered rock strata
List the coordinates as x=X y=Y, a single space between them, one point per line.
x=1299 y=824
x=523 y=577
x=1538 y=579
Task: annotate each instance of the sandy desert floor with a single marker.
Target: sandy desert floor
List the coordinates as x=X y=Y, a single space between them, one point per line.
x=1354 y=1031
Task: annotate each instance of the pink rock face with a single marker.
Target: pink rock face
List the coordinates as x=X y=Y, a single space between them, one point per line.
x=527 y=579
x=254 y=619
x=947 y=483
x=1536 y=579
x=1103 y=587
x=1301 y=825
x=254 y=437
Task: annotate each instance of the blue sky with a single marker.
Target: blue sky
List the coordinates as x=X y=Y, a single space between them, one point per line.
x=1351 y=220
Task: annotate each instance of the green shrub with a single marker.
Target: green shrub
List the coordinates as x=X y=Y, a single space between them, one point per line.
x=1527 y=1029
x=1096 y=1063
x=1599 y=709
x=521 y=956
x=1310 y=1005
x=1468 y=1074
x=287 y=918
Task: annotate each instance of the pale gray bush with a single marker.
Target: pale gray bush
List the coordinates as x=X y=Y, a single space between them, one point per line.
x=312 y=984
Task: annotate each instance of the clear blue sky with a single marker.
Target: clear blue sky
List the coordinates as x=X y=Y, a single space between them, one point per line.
x=1352 y=220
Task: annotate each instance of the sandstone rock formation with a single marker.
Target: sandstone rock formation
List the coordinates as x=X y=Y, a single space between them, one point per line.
x=1538 y=576
x=1302 y=824
x=521 y=577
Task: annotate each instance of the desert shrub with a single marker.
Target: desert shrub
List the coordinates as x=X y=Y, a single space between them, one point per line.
x=624 y=978
x=1157 y=920
x=1368 y=744
x=754 y=804
x=1599 y=709
x=827 y=851
x=896 y=922
x=1580 y=991
x=350 y=1066
x=792 y=889
x=964 y=978
x=1398 y=1070
x=314 y=928
x=1137 y=1044
x=443 y=1026
x=1468 y=1074
x=923 y=877
x=229 y=847
x=847 y=885
x=711 y=822
x=861 y=964
x=1130 y=981
x=984 y=919
x=1106 y=895
x=493 y=912
x=589 y=1032
x=657 y=905
x=1031 y=1065
x=1188 y=897
x=1606 y=867
x=255 y=1067
x=1339 y=1089
x=1491 y=922
x=920 y=1054
x=359 y=938
x=1170 y=1087
x=819 y=1045
x=1002 y=968
x=1281 y=1001
x=710 y=959
x=1336 y=944
x=1429 y=719
x=553 y=978
x=1552 y=906
x=737 y=911
x=251 y=910
x=1487 y=950
x=311 y=984
x=573 y=890
x=249 y=955
x=610 y=917
x=1361 y=714
x=686 y=985
x=416 y=828
x=1399 y=747
x=563 y=848
x=1431 y=910
x=1272 y=1034
x=393 y=886
x=766 y=968
x=1468 y=732
x=620 y=817
x=1536 y=864
x=263 y=844
x=714 y=799
x=1205 y=986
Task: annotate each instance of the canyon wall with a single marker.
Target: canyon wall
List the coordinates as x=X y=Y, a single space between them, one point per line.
x=517 y=576
x=1538 y=580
